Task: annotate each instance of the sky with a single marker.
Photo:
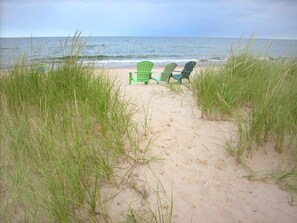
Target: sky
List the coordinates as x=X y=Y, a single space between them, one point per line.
x=201 y=18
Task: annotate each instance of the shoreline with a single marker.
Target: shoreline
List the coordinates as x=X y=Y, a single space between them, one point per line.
x=124 y=66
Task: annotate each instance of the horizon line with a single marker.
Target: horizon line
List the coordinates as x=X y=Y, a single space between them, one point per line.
x=153 y=36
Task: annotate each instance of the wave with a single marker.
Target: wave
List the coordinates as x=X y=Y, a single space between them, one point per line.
x=125 y=57
x=128 y=60
x=162 y=61
x=113 y=57
x=132 y=59
x=137 y=60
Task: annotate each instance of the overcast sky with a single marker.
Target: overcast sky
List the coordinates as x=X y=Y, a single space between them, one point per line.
x=203 y=18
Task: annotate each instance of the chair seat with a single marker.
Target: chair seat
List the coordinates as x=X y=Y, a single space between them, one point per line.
x=177 y=76
x=158 y=79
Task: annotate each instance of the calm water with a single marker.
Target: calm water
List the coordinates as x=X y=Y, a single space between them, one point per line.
x=127 y=51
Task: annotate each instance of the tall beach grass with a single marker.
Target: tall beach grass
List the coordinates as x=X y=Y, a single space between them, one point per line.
x=64 y=133
x=259 y=95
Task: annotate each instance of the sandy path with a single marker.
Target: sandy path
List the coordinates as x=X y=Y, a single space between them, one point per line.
x=207 y=184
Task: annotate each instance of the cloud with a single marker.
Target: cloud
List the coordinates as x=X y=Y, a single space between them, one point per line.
x=149 y=17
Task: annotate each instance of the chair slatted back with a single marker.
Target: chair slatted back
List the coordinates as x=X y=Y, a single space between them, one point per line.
x=144 y=70
x=169 y=68
x=189 y=66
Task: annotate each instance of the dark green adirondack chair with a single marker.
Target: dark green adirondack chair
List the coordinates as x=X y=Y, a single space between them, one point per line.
x=185 y=73
x=143 y=73
x=165 y=75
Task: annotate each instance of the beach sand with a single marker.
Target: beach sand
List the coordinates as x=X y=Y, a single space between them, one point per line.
x=204 y=181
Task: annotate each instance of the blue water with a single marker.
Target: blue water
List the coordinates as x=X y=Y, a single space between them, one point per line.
x=127 y=51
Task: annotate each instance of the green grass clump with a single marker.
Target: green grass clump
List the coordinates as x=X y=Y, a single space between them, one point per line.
x=63 y=134
x=258 y=94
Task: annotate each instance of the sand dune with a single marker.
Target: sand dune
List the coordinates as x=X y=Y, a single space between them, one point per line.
x=206 y=183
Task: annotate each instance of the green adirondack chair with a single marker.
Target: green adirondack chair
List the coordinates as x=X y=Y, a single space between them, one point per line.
x=143 y=73
x=165 y=75
x=185 y=73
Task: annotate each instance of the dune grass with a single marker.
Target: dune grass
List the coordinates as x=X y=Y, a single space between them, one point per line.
x=259 y=95
x=63 y=134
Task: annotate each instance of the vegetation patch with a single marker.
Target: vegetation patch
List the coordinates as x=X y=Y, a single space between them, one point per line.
x=259 y=95
x=65 y=133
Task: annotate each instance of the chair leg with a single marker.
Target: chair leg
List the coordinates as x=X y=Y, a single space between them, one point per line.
x=130 y=78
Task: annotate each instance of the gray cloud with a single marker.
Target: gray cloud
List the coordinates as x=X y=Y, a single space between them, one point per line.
x=149 y=17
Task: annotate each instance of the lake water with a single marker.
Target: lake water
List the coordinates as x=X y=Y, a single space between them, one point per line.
x=127 y=51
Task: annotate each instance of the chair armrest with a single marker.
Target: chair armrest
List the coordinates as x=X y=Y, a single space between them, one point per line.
x=142 y=71
x=159 y=73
